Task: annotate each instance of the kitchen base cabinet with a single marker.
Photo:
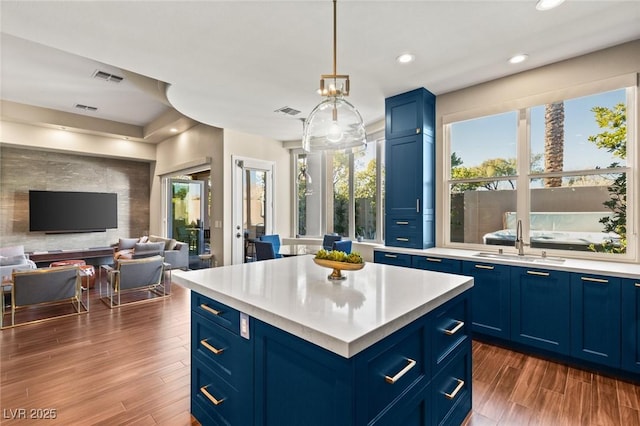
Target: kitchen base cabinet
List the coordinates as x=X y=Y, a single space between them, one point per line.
x=396 y=259
x=491 y=301
x=540 y=308
x=595 y=319
x=438 y=264
x=631 y=325
x=419 y=375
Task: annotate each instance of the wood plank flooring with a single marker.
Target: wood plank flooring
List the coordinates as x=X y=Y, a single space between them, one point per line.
x=510 y=388
x=131 y=366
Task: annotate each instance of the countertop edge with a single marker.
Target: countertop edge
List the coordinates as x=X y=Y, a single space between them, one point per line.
x=598 y=267
x=346 y=349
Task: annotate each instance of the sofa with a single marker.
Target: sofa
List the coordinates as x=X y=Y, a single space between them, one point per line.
x=175 y=253
x=14 y=259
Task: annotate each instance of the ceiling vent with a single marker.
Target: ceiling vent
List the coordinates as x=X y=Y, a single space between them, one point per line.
x=288 y=111
x=101 y=75
x=86 y=107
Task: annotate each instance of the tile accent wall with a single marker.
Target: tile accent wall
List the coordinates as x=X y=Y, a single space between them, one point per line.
x=25 y=169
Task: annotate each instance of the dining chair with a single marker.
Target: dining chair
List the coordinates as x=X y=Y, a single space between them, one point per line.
x=342 y=245
x=264 y=250
x=329 y=239
x=275 y=240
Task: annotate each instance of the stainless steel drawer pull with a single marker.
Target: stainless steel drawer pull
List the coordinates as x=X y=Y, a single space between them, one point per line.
x=392 y=256
x=484 y=267
x=433 y=259
x=410 y=365
x=211 y=397
x=542 y=274
x=455 y=329
x=594 y=280
x=402 y=222
x=208 y=309
x=402 y=239
x=637 y=284
x=456 y=390
x=417 y=205
x=211 y=348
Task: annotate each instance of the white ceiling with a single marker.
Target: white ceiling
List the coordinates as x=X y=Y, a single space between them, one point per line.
x=232 y=63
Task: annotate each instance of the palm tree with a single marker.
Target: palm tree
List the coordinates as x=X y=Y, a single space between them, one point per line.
x=553 y=142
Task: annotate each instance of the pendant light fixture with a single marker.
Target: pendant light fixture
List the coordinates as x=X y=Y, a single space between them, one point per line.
x=334 y=124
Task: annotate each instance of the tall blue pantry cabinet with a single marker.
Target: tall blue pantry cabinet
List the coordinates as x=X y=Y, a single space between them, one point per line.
x=410 y=169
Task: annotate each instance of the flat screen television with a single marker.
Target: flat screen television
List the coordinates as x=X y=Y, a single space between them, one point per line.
x=66 y=211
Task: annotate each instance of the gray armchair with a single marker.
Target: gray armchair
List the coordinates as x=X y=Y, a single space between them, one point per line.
x=47 y=286
x=144 y=275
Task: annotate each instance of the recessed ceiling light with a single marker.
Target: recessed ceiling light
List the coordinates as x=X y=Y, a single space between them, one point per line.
x=548 y=4
x=173 y=130
x=516 y=59
x=405 y=58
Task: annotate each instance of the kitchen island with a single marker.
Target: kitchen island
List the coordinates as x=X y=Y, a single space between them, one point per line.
x=276 y=343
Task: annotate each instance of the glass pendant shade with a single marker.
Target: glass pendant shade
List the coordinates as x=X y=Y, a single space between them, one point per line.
x=334 y=124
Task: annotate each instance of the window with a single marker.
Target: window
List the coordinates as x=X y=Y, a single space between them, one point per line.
x=560 y=168
x=349 y=201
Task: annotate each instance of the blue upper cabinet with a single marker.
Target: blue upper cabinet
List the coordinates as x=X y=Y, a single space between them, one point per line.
x=409 y=174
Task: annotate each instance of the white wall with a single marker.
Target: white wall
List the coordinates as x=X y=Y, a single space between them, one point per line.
x=45 y=138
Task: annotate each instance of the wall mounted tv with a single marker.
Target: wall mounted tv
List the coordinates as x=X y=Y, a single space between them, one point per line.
x=66 y=212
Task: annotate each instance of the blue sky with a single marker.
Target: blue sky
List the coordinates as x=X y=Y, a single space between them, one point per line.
x=494 y=137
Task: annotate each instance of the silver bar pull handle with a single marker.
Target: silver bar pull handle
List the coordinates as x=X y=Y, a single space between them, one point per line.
x=433 y=259
x=542 y=274
x=595 y=280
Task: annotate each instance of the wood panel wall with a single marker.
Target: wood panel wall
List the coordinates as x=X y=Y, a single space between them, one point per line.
x=25 y=169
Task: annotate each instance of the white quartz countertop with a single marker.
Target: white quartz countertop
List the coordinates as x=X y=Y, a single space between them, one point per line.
x=617 y=269
x=294 y=294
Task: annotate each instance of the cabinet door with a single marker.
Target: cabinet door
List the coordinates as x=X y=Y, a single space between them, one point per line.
x=404 y=114
x=631 y=325
x=298 y=383
x=595 y=318
x=438 y=264
x=540 y=313
x=490 y=301
x=397 y=259
x=403 y=178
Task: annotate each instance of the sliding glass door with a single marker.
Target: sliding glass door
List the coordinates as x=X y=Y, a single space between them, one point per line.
x=186 y=213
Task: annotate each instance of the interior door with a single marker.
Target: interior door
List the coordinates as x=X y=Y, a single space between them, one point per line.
x=252 y=205
x=186 y=211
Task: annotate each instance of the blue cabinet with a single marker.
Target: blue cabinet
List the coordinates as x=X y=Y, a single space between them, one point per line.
x=409 y=176
x=419 y=375
x=631 y=325
x=396 y=259
x=595 y=319
x=221 y=364
x=438 y=264
x=490 y=298
x=540 y=308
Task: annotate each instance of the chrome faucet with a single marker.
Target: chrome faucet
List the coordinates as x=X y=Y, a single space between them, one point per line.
x=519 y=244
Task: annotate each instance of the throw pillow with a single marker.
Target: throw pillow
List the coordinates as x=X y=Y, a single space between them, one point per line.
x=127 y=243
x=13 y=260
x=148 y=247
x=12 y=251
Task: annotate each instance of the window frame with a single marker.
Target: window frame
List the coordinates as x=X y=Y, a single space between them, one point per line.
x=327 y=192
x=524 y=175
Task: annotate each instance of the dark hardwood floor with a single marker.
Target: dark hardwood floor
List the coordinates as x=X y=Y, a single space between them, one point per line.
x=130 y=366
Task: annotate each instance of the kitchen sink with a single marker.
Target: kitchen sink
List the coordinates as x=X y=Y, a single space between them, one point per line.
x=525 y=258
